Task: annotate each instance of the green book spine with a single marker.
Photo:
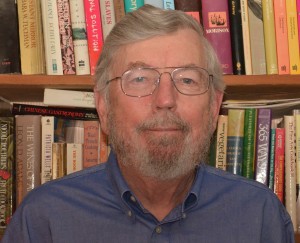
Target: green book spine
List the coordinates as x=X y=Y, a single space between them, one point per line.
x=249 y=143
x=235 y=139
x=131 y=5
x=272 y=157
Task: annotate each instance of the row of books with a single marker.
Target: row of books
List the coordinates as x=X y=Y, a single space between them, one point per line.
x=39 y=144
x=256 y=144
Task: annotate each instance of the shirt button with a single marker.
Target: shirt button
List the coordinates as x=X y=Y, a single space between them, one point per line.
x=129 y=213
x=158 y=229
x=132 y=198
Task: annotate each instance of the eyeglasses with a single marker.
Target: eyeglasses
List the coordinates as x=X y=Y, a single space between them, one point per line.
x=140 y=82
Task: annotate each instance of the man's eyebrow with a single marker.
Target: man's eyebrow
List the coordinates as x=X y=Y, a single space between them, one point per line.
x=138 y=64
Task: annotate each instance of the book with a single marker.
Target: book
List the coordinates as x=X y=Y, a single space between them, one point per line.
x=60 y=112
x=215 y=19
x=59 y=165
x=235 y=140
x=53 y=55
x=264 y=116
x=9 y=38
x=7 y=162
x=28 y=153
x=47 y=138
x=257 y=42
x=221 y=142
x=94 y=32
x=66 y=38
x=80 y=42
x=108 y=19
x=74 y=157
x=119 y=9
x=155 y=3
x=246 y=36
x=269 y=36
x=190 y=7
x=296 y=113
x=71 y=98
x=91 y=143
x=290 y=168
x=31 y=37
x=282 y=45
x=238 y=63
x=279 y=163
x=249 y=143
x=298 y=18
x=131 y=5
x=169 y=4
x=293 y=36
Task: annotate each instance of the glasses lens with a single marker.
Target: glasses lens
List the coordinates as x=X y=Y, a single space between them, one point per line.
x=191 y=81
x=139 y=82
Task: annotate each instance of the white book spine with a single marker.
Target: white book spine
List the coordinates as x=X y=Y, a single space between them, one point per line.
x=51 y=37
x=74 y=157
x=108 y=19
x=79 y=37
x=169 y=4
x=47 y=138
x=155 y=3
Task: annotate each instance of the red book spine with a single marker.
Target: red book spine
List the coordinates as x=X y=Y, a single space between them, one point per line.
x=279 y=163
x=94 y=31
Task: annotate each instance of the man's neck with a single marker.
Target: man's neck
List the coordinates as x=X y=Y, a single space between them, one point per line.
x=158 y=197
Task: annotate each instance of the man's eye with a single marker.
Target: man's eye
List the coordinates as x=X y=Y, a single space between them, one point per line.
x=139 y=79
x=187 y=81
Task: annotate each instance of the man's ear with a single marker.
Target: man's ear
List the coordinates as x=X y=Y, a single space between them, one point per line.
x=101 y=109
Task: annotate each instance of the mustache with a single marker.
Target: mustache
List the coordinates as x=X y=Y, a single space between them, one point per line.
x=166 y=120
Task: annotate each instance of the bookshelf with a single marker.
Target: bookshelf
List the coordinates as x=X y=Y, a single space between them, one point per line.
x=15 y=87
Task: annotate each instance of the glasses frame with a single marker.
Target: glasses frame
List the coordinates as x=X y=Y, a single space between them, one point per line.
x=210 y=79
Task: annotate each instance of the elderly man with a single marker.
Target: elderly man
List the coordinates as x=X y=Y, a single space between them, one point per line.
x=158 y=93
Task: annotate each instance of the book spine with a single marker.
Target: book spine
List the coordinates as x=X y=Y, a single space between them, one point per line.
x=94 y=32
x=281 y=37
x=58 y=160
x=235 y=140
x=131 y=5
x=66 y=38
x=221 y=142
x=80 y=42
x=51 y=37
x=272 y=158
x=257 y=37
x=108 y=19
x=91 y=143
x=269 y=36
x=238 y=63
x=297 y=139
x=190 y=7
x=60 y=112
x=169 y=4
x=215 y=17
x=9 y=36
x=47 y=138
x=293 y=36
x=119 y=9
x=7 y=182
x=298 y=19
x=279 y=163
x=74 y=157
x=246 y=36
x=28 y=153
x=263 y=145
x=155 y=3
x=249 y=143
x=290 y=168
x=31 y=37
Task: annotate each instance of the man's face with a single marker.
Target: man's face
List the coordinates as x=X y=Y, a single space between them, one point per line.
x=166 y=134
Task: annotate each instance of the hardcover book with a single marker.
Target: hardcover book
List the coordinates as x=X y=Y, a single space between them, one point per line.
x=191 y=7
x=9 y=38
x=272 y=158
x=238 y=63
x=59 y=165
x=51 y=37
x=28 y=154
x=257 y=41
x=215 y=18
x=131 y=5
x=108 y=19
x=66 y=38
x=91 y=143
x=74 y=157
x=263 y=144
x=79 y=34
x=119 y=9
x=235 y=140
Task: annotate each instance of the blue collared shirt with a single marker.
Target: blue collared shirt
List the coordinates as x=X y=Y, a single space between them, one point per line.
x=96 y=205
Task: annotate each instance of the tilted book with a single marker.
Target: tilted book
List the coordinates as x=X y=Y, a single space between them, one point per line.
x=51 y=37
x=28 y=154
x=80 y=42
x=66 y=38
x=215 y=17
x=235 y=140
x=108 y=19
x=264 y=116
x=191 y=7
x=9 y=38
x=238 y=63
x=131 y=5
x=119 y=9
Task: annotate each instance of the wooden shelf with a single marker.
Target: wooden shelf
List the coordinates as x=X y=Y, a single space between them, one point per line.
x=15 y=87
